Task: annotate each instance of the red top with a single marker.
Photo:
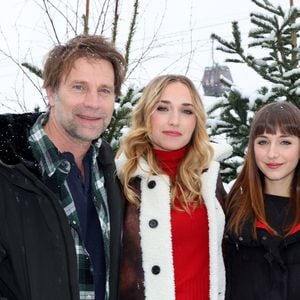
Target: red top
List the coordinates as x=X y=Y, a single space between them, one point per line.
x=189 y=240
x=260 y=224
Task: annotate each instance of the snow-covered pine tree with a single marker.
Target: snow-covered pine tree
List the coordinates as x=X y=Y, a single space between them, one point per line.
x=275 y=32
x=121 y=117
x=230 y=119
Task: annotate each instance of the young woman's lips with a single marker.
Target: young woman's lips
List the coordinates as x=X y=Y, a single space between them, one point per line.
x=273 y=165
x=172 y=133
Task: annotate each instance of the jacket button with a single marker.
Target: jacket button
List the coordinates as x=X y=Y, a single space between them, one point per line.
x=155 y=270
x=151 y=184
x=153 y=223
x=241 y=238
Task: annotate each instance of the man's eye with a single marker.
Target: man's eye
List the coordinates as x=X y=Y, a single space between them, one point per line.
x=105 y=92
x=78 y=87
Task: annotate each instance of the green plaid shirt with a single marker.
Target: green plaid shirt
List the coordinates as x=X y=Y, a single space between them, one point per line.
x=55 y=170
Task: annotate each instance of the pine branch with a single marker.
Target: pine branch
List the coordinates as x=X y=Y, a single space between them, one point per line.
x=263 y=21
x=33 y=69
x=232 y=60
x=267 y=6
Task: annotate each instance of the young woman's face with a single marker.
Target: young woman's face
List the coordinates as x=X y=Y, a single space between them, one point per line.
x=277 y=156
x=173 y=120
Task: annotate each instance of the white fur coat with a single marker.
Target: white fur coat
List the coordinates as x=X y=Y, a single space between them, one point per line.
x=156 y=244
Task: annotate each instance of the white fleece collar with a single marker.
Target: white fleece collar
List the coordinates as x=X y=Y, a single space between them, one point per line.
x=221 y=151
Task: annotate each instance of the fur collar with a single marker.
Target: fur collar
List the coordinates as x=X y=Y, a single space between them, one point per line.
x=221 y=151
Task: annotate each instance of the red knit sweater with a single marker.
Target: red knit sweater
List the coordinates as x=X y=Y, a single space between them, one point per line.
x=189 y=240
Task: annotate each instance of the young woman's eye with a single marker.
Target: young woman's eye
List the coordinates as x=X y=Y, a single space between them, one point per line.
x=261 y=142
x=188 y=112
x=285 y=142
x=162 y=108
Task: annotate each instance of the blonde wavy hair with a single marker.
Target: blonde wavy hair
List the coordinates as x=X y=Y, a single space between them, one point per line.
x=137 y=144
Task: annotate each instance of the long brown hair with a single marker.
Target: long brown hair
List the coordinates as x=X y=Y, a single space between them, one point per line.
x=246 y=198
x=137 y=143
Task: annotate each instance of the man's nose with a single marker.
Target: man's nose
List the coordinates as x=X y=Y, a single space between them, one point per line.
x=92 y=99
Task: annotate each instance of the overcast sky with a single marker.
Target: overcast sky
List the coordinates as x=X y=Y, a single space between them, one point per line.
x=179 y=27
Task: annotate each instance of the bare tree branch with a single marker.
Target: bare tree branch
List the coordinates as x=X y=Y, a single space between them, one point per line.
x=131 y=31
x=65 y=17
x=105 y=13
x=19 y=66
x=51 y=21
x=144 y=55
x=191 y=43
x=68 y=11
x=86 y=17
x=115 y=22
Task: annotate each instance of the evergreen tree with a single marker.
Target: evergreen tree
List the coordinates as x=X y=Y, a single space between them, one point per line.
x=121 y=117
x=275 y=31
x=230 y=118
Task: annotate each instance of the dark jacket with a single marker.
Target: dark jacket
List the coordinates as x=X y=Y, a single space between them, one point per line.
x=37 y=256
x=267 y=268
x=15 y=151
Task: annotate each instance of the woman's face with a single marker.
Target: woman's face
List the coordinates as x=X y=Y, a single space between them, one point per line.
x=173 y=120
x=277 y=156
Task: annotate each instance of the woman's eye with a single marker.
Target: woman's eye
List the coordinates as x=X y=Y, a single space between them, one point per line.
x=285 y=142
x=188 y=112
x=162 y=108
x=261 y=142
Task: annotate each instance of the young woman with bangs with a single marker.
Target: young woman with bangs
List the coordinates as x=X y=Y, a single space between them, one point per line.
x=174 y=220
x=262 y=238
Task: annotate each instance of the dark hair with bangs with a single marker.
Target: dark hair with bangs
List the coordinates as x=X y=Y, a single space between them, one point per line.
x=278 y=115
x=61 y=58
x=246 y=198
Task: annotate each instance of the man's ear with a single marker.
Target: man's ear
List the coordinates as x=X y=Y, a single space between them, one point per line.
x=51 y=94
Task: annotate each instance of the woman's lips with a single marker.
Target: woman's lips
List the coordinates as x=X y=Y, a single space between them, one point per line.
x=172 y=133
x=273 y=165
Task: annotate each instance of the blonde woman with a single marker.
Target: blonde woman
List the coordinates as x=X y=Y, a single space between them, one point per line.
x=174 y=219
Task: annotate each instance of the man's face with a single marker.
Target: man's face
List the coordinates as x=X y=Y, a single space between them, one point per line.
x=82 y=107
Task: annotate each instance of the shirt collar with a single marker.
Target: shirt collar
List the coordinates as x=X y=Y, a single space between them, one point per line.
x=50 y=159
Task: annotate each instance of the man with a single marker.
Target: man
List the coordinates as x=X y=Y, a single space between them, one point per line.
x=61 y=204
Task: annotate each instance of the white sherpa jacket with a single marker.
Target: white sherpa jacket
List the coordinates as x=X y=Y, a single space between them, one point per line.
x=146 y=262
